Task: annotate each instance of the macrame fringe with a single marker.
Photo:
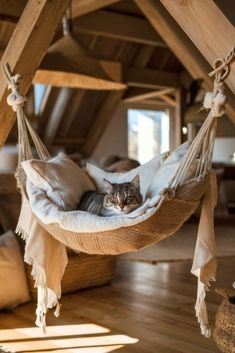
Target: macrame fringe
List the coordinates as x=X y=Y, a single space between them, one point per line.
x=47 y=299
x=200 y=306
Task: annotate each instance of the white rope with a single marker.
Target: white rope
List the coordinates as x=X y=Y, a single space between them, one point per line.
x=203 y=144
x=17 y=101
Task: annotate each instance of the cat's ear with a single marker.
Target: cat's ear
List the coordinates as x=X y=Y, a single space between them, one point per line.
x=108 y=186
x=136 y=181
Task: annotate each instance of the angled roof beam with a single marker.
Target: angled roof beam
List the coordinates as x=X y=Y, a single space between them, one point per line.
x=181 y=45
x=26 y=48
x=82 y=7
x=211 y=39
x=119 y=26
x=138 y=95
x=11 y=10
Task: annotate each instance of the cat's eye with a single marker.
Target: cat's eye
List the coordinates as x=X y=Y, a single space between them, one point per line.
x=130 y=199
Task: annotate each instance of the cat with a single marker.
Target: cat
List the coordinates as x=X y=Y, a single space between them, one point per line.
x=119 y=199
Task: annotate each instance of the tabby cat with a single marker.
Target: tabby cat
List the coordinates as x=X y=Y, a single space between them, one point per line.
x=119 y=199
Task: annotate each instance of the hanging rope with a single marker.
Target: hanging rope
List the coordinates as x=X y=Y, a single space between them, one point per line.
x=203 y=143
x=17 y=101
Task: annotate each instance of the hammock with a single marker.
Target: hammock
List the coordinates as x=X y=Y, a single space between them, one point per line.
x=175 y=205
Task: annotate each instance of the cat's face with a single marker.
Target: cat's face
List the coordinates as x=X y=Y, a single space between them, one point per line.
x=122 y=198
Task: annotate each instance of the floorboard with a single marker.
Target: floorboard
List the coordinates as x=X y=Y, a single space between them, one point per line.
x=146 y=309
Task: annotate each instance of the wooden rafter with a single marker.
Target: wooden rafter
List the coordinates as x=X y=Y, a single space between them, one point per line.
x=138 y=95
x=82 y=7
x=26 y=49
x=216 y=36
x=181 y=46
x=169 y=99
x=119 y=26
x=11 y=10
x=147 y=78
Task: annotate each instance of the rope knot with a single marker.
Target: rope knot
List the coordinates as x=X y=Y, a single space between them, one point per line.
x=216 y=102
x=13 y=83
x=16 y=100
x=168 y=193
x=221 y=66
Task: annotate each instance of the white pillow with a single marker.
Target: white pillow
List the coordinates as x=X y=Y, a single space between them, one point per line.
x=63 y=181
x=14 y=289
x=146 y=173
x=165 y=174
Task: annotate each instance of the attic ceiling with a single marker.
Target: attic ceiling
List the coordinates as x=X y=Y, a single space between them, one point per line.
x=119 y=32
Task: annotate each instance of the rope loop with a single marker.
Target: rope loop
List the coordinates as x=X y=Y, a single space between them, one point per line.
x=221 y=66
x=15 y=99
x=215 y=101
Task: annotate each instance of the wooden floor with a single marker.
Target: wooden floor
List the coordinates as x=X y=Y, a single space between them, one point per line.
x=147 y=308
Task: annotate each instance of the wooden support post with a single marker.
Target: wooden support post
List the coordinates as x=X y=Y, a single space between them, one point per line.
x=26 y=49
x=179 y=115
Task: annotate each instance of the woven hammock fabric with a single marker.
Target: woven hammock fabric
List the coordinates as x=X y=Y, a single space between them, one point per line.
x=168 y=217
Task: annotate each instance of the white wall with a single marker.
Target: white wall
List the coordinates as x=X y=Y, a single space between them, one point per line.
x=224 y=148
x=114 y=139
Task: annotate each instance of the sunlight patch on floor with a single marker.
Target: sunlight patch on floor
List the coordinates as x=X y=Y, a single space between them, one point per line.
x=52 y=331
x=87 y=338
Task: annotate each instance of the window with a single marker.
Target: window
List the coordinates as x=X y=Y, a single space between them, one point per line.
x=39 y=91
x=148 y=134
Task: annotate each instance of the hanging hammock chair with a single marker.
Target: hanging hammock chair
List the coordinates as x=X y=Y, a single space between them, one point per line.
x=173 y=207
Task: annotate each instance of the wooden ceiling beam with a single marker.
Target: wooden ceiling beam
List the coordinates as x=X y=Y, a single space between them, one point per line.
x=138 y=95
x=11 y=10
x=169 y=100
x=211 y=40
x=147 y=78
x=26 y=49
x=181 y=46
x=118 y=26
x=83 y=7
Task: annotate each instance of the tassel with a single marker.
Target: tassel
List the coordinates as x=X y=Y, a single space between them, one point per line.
x=57 y=310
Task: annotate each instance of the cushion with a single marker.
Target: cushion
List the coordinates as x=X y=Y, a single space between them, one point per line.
x=63 y=181
x=146 y=173
x=14 y=289
x=166 y=173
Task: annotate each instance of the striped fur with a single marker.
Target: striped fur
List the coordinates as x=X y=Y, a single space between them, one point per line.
x=119 y=199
